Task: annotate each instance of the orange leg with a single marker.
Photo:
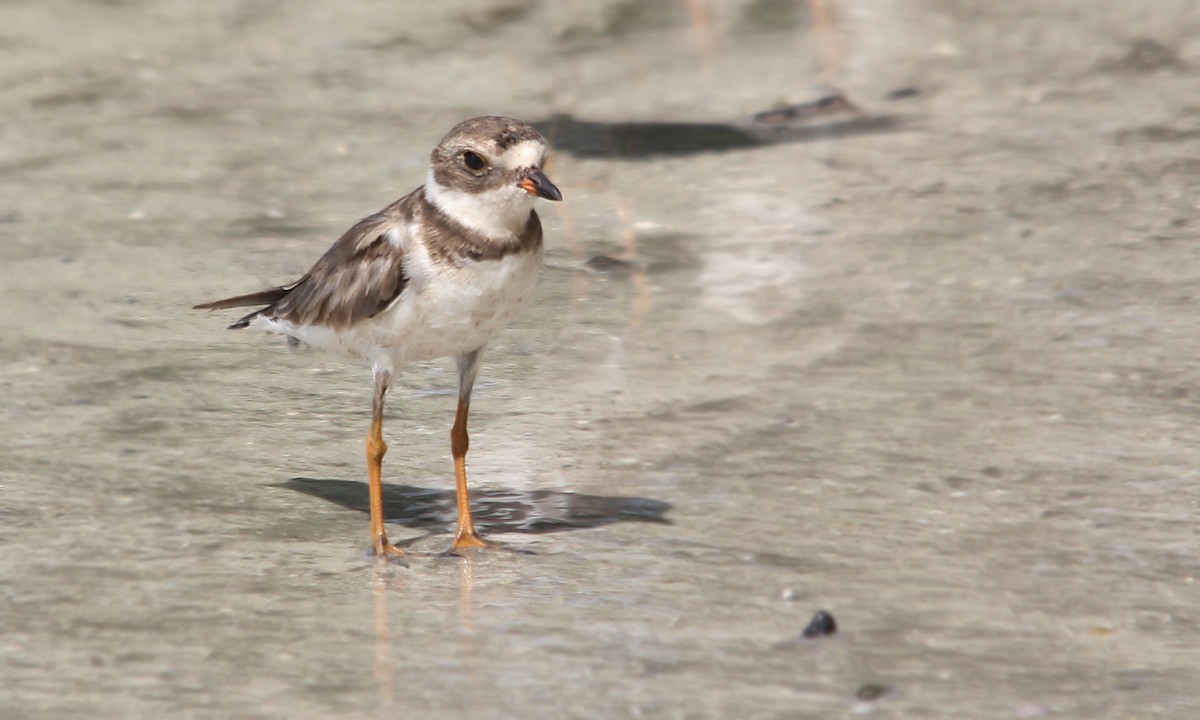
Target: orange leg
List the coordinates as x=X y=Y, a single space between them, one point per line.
x=376 y=449
x=465 y=536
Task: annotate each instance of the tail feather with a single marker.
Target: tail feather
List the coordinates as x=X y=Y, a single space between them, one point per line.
x=263 y=297
x=245 y=321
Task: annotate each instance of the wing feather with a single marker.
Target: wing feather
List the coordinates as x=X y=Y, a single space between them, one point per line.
x=357 y=278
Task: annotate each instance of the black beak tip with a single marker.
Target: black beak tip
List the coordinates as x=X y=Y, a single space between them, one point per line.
x=542 y=187
x=550 y=192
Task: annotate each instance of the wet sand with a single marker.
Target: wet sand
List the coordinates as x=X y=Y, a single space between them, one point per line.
x=936 y=375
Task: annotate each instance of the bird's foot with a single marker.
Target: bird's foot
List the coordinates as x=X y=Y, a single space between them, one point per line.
x=470 y=540
x=386 y=551
x=465 y=543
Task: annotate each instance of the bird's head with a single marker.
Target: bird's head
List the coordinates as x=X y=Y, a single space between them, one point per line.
x=486 y=174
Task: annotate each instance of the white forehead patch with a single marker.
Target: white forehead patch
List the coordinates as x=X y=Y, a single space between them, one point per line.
x=527 y=153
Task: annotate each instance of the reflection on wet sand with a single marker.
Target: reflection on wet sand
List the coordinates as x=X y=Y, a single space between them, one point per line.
x=382 y=579
x=388 y=581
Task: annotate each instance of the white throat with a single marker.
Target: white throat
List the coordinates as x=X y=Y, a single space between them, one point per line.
x=501 y=213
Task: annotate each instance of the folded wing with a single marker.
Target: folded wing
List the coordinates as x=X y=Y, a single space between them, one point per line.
x=356 y=279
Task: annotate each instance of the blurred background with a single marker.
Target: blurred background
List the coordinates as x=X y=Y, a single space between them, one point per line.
x=881 y=307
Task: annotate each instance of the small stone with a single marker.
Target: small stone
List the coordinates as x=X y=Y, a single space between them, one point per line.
x=871 y=691
x=822 y=624
x=790 y=594
x=903 y=93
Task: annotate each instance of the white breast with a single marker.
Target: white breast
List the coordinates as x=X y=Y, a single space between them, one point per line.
x=462 y=307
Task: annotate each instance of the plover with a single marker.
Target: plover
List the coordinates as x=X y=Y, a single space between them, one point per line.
x=435 y=274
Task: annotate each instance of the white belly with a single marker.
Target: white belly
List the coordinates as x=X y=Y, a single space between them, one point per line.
x=442 y=312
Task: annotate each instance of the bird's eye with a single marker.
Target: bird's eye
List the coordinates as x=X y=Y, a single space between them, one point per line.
x=473 y=161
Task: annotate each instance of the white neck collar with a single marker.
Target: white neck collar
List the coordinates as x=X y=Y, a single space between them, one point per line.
x=500 y=213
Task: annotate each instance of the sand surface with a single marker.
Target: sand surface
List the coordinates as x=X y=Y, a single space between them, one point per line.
x=934 y=369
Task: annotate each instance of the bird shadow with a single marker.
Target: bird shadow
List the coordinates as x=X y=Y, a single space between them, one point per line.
x=642 y=140
x=494 y=509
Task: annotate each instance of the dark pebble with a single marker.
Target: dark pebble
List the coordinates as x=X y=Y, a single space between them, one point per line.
x=903 y=93
x=822 y=624
x=871 y=691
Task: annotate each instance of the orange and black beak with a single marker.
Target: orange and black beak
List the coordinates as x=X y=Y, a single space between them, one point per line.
x=536 y=183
